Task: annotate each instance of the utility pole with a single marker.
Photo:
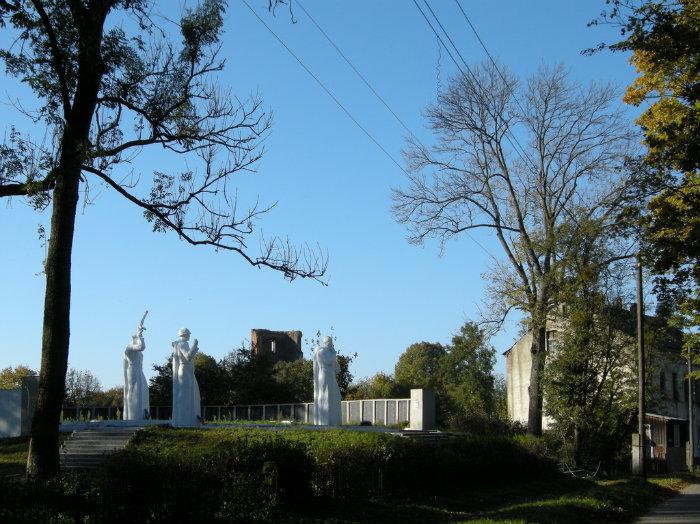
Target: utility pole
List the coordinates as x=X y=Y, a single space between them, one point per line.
x=691 y=442
x=640 y=348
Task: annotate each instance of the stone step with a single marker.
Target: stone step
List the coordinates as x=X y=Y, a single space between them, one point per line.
x=103 y=434
x=92 y=455
x=87 y=449
x=94 y=445
x=79 y=451
x=96 y=442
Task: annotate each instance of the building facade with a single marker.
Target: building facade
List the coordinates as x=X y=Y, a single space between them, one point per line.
x=667 y=413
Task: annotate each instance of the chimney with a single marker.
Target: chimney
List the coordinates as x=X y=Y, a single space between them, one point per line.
x=633 y=309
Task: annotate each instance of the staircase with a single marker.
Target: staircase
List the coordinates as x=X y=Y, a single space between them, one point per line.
x=87 y=449
x=417 y=434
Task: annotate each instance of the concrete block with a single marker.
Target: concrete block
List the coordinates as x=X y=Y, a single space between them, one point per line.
x=423 y=415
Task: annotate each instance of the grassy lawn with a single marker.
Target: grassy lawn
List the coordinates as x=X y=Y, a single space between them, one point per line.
x=13 y=455
x=568 y=500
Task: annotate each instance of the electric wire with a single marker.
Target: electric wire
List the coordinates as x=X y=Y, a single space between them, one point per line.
x=488 y=53
x=379 y=97
x=512 y=139
x=357 y=72
x=495 y=65
x=342 y=107
x=326 y=89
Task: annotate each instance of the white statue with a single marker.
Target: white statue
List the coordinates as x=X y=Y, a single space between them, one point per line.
x=136 y=403
x=326 y=391
x=186 y=401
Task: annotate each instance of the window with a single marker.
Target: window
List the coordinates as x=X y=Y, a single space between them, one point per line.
x=674 y=380
x=685 y=390
x=676 y=435
x=662 y=383
x=551 y=341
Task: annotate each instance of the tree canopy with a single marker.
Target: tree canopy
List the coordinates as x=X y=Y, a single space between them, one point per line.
x=11 y=377
x=419 y=366
x=590 y=376
x=663 y=38
x=469 y=394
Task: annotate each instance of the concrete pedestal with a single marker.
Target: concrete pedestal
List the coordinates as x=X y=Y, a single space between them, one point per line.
x=637 y=455
x=423 y=410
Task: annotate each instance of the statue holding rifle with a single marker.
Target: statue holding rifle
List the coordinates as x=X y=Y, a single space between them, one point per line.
x=136 y=402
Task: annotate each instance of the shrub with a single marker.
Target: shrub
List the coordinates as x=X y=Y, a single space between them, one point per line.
x=195 y=475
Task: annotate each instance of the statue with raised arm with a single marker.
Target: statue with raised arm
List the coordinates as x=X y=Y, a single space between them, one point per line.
x=326 y=391
x=186 y=401
x=136 y=402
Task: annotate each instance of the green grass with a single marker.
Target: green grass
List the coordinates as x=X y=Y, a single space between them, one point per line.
x=13 y=455
x=568 y=500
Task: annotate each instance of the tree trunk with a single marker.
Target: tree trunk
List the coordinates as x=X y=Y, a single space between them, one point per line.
x=537 y=350
x=43 y=460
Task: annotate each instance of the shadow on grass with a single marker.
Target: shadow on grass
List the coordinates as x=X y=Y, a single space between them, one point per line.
x=568 y=500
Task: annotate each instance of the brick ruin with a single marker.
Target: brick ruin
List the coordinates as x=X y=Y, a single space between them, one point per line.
x=285 y=345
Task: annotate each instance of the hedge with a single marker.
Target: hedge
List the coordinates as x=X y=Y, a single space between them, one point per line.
x=247 y=474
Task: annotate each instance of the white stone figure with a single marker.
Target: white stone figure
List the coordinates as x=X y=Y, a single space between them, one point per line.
x=136 y=402
x=326 y=391
x=186 y=401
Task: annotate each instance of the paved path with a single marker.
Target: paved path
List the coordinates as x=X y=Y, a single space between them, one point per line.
x=683 y=508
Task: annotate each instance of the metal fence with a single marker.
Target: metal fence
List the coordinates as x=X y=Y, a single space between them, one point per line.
x=380 y=412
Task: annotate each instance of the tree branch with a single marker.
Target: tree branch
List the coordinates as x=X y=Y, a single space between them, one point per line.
x=56 y=58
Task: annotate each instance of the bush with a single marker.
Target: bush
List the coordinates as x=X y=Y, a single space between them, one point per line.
x=294 y=465
x=241 y=474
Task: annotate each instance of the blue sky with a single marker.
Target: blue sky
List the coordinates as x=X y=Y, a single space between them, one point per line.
x=332 y=186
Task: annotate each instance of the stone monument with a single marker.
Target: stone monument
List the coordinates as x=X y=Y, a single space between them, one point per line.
x=326 y=391
x=136 y=402
x=186 y=401
x=423 y=413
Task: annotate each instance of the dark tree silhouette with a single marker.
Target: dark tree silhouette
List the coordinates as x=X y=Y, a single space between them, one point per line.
x=112 y=82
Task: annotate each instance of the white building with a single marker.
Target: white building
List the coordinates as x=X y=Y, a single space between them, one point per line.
x=666 y=414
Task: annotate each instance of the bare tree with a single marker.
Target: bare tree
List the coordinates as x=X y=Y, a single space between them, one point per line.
x=114 y=77
x=519 y=160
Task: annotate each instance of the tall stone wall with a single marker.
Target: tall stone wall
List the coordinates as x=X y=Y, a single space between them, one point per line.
x=10 y=412
x=518 y=366
x=284 y=345
x=17 y=408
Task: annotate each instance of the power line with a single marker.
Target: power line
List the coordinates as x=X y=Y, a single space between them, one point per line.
x=483 y=45
x=379 y=97
x=352 y=66
x=326 y=89
x=474 y=79
x=495 y=65
x=438 y=36
x=341 y=106
x=512 y=139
